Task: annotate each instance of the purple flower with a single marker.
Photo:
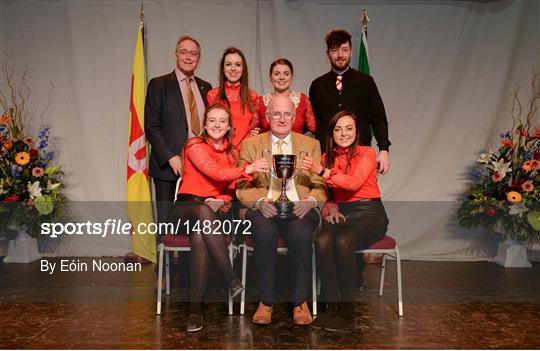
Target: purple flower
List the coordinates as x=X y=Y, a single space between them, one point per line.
x=16 y=171
x=478 y=173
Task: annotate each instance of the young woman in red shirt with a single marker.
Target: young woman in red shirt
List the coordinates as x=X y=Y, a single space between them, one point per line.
x=205 y=193
x=233 y=91
x=354 y=219
x=281 y=76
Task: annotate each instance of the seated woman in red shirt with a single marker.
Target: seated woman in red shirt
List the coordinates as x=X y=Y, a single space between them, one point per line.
x=206 y=191
x=233 y=91
x=355 y=219
x=281 y=75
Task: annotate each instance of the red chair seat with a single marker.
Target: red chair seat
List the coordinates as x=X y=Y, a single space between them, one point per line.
x=172 y=240
x=248 y=240
x=386 y=243
x=176 y=240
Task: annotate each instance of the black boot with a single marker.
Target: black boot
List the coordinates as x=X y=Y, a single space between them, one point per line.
x=341 y=320
x=323 y=317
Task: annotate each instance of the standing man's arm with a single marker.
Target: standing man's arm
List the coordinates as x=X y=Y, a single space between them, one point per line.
x=153 y=125
x=379 y=124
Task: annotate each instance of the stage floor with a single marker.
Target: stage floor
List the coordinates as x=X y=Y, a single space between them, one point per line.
x=446 y=304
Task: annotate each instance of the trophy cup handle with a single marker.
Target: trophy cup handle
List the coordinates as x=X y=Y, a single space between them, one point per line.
x=267 y=154
x=301 y=155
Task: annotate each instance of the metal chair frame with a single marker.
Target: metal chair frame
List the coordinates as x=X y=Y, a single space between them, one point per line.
x=164 y=251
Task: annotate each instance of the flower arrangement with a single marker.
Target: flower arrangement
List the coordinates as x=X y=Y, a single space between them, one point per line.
x=506 y=196
x=30 y=187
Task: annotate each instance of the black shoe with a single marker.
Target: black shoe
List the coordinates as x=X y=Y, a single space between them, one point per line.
x=194 y=322
x=336 y=323
x=235 y=287
x=321 y=319
x=361 y=284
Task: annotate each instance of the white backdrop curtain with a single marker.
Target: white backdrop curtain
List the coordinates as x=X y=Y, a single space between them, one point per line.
x=445 y=70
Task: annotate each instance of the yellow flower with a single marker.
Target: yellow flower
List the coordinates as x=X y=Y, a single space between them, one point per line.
x=513 y=197
x=22 y=158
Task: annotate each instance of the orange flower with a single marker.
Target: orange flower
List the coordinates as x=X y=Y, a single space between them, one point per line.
x=8 y=144
x=514 y=197
x=531 y=165
x=537 y=132
x=5 y=119
x=523 y=133
x=28 y=141
x=22 y=158
x=507 y=143
x=527 y=186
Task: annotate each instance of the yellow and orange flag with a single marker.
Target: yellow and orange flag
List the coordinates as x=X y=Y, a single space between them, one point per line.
x=139 y=200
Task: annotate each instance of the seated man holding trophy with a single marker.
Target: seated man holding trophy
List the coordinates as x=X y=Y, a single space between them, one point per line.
x=282 y=202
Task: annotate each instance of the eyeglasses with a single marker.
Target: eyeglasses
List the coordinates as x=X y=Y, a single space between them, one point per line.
x=279 y=115
x=185 y=52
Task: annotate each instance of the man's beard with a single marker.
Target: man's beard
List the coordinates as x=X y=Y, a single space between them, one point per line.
x=345 y=65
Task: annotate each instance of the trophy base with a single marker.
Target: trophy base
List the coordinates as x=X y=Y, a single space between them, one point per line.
x=284 y=209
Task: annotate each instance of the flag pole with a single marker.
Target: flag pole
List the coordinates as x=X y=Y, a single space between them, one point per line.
x=364 y=20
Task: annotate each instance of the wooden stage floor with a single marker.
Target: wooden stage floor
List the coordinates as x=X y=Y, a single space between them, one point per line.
x=453 y=305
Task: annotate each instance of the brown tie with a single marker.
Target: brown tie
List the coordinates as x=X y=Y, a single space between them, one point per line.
x=193 y=112
x=276 y=185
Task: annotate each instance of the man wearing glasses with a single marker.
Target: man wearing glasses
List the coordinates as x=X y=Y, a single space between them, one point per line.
x=307 y=191
x=174 y=111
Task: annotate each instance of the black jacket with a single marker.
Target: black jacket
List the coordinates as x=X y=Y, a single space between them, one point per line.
x=359 y=95
x=165 y=122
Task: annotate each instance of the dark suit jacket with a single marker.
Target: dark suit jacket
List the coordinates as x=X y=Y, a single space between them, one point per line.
x=165 y=122
x=360 y=95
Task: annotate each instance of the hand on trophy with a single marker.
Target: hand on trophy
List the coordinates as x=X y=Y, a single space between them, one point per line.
x=311 y=165
x=267 y=209
x=302 y=207
x=260 y=165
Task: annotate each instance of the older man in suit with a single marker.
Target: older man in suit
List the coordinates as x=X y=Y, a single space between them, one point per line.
x=174 y=112
x=307 y=191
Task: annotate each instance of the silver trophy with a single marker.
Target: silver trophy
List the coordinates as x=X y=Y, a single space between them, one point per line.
x=284 y=168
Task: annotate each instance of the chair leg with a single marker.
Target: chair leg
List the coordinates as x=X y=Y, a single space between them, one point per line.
x=314 y=284
x=383 y=270
x=244 y=269
x=160 y=278
x=167 y=273
x=231 y=258
x=398 y=269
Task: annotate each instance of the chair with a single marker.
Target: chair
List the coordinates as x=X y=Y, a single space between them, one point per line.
x=387 y=246
x=281 y=248
x=180 y=243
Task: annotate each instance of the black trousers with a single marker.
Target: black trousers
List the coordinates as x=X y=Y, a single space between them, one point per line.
x=297 y=233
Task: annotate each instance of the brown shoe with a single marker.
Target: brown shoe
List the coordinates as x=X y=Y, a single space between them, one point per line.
x=263 y=315
x=301 y=315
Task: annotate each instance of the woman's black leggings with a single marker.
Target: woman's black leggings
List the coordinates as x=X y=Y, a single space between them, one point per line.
x=204 y=247
x=335 y=245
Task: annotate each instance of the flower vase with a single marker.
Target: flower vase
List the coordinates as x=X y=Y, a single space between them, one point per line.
x=22 y=249
x=512 y=254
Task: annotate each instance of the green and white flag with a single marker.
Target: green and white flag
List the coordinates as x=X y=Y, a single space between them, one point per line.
x=363 y=57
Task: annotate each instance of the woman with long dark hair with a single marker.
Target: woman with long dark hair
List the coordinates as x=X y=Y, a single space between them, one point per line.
x=355 y=217
x=234 y=92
